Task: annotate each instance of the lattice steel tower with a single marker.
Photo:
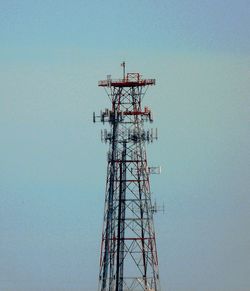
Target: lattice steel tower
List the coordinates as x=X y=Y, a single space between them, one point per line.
x=128 y=258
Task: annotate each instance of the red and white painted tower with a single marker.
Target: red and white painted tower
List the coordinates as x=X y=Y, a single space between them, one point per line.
x=128 y=258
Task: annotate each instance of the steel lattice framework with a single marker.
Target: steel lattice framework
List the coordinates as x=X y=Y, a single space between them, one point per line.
x=128 y=258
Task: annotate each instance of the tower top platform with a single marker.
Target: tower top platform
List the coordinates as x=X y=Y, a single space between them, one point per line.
x=130 y=80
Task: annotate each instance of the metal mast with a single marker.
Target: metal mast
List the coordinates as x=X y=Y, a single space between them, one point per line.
x=128 y=258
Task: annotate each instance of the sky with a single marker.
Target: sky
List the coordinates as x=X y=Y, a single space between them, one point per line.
x=52 y=161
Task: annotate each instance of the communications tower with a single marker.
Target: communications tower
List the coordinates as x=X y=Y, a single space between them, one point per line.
x=128 y=260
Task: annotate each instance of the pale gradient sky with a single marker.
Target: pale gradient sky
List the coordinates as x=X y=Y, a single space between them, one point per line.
x=52 y=162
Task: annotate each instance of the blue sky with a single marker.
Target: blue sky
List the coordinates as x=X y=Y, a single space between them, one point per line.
x=52 y=162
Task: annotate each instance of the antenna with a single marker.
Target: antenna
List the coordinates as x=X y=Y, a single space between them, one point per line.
x=123 y=64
